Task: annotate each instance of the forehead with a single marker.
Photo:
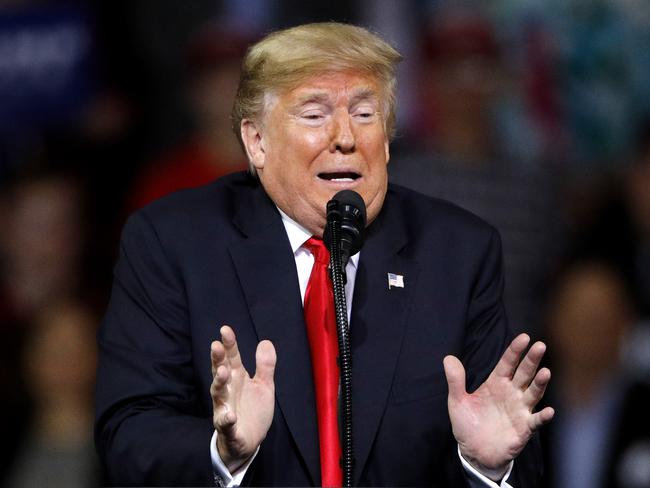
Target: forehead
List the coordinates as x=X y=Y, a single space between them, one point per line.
x=349 y=86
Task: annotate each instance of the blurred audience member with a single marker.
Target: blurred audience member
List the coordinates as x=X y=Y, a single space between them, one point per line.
x=41 y=263
x=213 y=60
x=58 y=370
x=43 y=243
x=609 y=218
x=459 y=81
x=41 y=253
x=459 y=157
x=601 y=434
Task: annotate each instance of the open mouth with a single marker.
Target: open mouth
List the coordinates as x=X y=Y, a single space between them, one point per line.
x=340 y=176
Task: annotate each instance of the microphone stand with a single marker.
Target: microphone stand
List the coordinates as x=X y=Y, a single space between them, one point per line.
x=345 y=356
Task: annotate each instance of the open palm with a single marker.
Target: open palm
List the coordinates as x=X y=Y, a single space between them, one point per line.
x=493 y=424
x=242 y=405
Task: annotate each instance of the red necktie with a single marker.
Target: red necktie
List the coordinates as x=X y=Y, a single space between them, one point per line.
x=323 y=343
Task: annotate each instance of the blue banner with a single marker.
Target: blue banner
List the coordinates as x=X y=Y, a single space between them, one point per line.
x=45 y=66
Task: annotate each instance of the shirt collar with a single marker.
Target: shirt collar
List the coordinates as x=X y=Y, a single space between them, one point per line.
x=298 y=235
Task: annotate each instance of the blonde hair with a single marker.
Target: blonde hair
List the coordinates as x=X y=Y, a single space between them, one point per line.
x=285 y=58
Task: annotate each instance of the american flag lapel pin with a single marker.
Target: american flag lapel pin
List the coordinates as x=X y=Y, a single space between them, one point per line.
x=395 y=280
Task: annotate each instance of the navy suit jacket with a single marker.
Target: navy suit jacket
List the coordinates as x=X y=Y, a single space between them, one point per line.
x=220 y=255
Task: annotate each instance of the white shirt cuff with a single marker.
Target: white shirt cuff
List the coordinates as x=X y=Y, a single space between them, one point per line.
x=222 y=476
x=485 y=481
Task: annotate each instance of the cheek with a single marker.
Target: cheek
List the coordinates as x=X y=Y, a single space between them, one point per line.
x=309 y=145
x=298 y=148
x=375 y=144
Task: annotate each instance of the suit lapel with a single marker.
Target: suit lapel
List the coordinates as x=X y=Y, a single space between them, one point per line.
x=266 y=269
x=377 y=324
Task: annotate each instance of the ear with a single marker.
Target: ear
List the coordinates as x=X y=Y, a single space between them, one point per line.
x=252 y=138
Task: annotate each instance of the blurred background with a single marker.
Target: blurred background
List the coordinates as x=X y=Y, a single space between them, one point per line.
x=534 y=114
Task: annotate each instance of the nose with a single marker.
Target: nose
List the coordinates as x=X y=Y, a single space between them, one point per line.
x=342 y=138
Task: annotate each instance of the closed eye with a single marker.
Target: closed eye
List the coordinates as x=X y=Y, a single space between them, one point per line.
x=311 y=118
x=365 y=116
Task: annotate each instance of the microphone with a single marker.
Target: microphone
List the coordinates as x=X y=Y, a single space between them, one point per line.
x=343 y=236
x=347 y=210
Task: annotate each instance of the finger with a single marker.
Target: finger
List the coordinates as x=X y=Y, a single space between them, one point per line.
x=230 y=344
x=217 y=356
x=540 y=418
x=535 y=391
x=455 y=373
x=528 y=367
x=219 y=388
x=224 y=417
x=265 y=359
x=506 y=366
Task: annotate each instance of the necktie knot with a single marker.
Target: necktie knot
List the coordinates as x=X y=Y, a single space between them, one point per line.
x=317 y=247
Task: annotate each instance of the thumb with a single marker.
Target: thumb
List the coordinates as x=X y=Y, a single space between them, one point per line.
x=455 y=373
x=265 y=360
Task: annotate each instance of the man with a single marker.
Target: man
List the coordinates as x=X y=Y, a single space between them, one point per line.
x=597 y=439
x=315 y=110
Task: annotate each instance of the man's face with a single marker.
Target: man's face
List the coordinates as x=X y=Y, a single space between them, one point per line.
x=326 y=135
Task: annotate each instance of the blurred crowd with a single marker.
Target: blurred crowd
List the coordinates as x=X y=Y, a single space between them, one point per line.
x=533 y=114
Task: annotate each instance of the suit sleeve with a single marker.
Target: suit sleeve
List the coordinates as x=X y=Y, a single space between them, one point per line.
x=487 y=337
x=150 y=429
x=486 y=326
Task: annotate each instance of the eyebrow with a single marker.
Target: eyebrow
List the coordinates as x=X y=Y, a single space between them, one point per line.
x=312 y=98
x=322 y=97
x=363 y=95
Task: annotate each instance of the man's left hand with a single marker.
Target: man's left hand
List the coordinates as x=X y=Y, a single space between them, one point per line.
x=493 y=424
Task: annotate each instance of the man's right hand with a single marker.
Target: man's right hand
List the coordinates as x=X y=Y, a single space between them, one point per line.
x=242 y=406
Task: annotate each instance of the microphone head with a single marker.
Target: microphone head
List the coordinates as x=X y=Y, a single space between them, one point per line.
x=349 y=209
x=353 y=202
